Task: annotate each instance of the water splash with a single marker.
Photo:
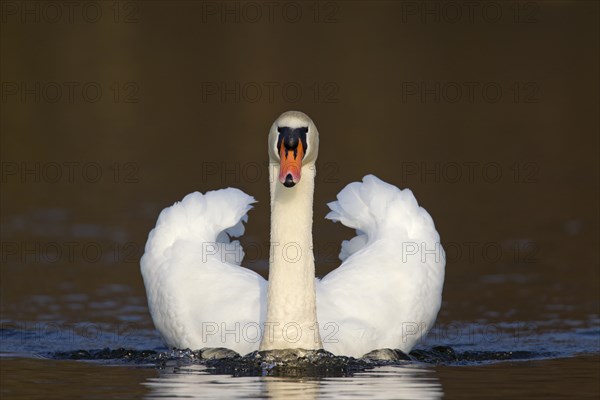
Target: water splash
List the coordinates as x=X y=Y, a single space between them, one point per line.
x=293 y=362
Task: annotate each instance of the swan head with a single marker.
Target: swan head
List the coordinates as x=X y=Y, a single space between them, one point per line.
x=293 y=144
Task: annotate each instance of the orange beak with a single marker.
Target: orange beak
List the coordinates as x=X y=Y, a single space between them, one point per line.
x=290 y=164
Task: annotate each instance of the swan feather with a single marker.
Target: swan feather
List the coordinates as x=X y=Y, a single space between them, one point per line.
x=378 y=298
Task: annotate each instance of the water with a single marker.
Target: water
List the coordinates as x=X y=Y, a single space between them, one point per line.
x=511 y=182
x=123 y=360
x=562 y=378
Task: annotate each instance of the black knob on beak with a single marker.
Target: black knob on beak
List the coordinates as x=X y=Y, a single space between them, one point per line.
x=289 y=181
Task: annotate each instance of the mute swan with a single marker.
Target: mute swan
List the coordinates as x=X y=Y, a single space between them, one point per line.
x=386 y=293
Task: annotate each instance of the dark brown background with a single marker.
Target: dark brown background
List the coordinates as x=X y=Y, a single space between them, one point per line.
x=353 y=62
x=510 y=178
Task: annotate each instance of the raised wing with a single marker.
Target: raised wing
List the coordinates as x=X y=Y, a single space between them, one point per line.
x=198 y=294
x=387 y=292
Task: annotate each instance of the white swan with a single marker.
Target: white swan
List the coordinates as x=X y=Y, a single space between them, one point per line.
x=386 y=293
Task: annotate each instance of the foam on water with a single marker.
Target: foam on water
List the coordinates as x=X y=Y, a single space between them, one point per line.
x=293 y=362
x=130 y=346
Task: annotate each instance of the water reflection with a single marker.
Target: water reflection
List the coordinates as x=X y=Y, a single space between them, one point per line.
x=399 y=382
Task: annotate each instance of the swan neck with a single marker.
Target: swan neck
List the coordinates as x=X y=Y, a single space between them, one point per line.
x=291 y=304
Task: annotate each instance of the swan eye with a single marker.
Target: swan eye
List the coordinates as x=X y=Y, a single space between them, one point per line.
x=290 y=137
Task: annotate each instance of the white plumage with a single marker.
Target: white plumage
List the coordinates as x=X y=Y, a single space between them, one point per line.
x=386 y=293
x=196 y=289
